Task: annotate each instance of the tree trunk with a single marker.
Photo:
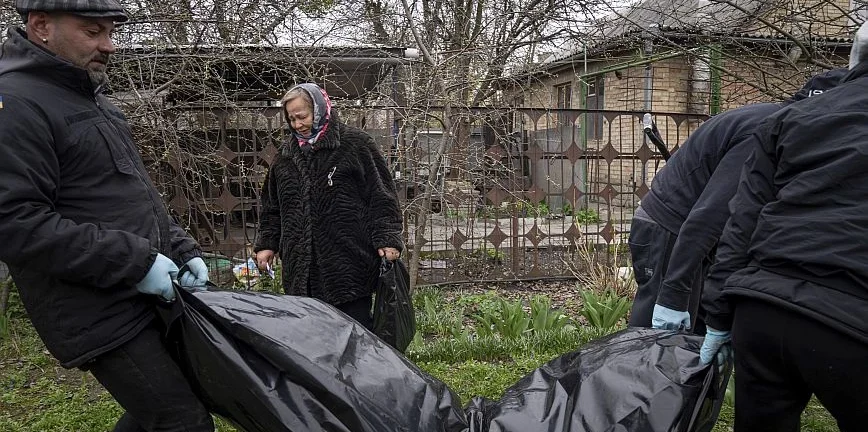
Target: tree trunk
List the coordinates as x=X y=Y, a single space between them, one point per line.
x=425 y=207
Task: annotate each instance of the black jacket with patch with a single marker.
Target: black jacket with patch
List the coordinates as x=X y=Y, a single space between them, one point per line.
x=79 y=216
x=799 y=225
x=327 y=211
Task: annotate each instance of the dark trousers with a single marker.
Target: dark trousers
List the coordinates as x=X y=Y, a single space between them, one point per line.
x=359 y=310
x=650 y=248
x=650 y=251
x=147 y=383
x=782 y=358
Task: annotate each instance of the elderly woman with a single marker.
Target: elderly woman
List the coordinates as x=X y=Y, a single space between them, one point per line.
x=329 y=208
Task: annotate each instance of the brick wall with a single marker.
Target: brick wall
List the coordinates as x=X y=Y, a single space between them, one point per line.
x=626 y=91
x=764 y=80
x=801 y=18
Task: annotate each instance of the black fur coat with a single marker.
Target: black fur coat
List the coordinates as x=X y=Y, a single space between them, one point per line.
x=325 y=212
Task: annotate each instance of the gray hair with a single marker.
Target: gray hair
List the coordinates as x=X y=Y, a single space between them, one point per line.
x=295 y=93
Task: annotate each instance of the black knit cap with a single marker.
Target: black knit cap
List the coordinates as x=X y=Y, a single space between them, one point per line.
x=89 y=8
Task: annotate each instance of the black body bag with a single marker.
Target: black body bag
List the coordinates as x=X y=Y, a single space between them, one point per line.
x=282 y=363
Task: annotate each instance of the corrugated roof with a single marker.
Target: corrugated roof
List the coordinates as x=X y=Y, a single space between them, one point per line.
x=730 y=19
x=664 y=16
x=685 y=15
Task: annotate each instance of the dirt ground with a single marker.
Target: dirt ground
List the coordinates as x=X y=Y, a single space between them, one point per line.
x=563 y=293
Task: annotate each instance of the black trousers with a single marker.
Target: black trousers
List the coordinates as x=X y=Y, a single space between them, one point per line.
x=782 y=358
x=359 y=310
x=149 y=385
x=650 y=251
x=650 y=248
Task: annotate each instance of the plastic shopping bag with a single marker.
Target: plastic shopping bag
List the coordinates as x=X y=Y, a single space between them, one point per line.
x=394 y=316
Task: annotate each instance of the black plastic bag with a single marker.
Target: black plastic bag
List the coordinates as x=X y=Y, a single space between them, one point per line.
x=394 y=317
x=638 y=380
x=284 y=363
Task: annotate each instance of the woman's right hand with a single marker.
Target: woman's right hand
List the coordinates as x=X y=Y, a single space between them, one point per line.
x=264 y=258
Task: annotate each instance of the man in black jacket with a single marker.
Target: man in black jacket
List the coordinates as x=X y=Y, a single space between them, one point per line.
x=86 y=235
x=678 y=224
x=790 y=285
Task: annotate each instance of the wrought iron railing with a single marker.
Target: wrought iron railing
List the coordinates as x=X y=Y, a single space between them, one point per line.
x=518 y=188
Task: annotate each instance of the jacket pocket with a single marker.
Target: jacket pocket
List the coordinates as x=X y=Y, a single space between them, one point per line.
x=643 y=267
x=645 y=251
x=92 y=143
x=116 y=147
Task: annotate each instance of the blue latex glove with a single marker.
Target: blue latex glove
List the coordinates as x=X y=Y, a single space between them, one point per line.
x=670 y=319
x=158 y=280
x=714 y=344
x=195 y=275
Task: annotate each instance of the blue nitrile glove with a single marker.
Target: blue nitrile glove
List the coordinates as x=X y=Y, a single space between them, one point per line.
x=158 y=280
x=195 y=275
x=714 y=344
x=670 y=319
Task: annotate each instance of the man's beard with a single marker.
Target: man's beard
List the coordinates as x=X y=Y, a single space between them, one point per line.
x=97 y=78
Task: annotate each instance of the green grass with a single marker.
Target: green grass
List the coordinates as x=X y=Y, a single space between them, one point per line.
x=546 y=345
x=63 y=402
x=487 y=379
x=37 y=395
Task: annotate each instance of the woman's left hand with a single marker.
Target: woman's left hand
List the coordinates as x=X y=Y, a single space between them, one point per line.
x=390 y=254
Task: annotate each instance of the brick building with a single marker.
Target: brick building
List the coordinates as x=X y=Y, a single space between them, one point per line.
x=681 y=60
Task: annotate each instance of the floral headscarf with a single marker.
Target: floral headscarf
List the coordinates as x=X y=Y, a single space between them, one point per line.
x=322 y=112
